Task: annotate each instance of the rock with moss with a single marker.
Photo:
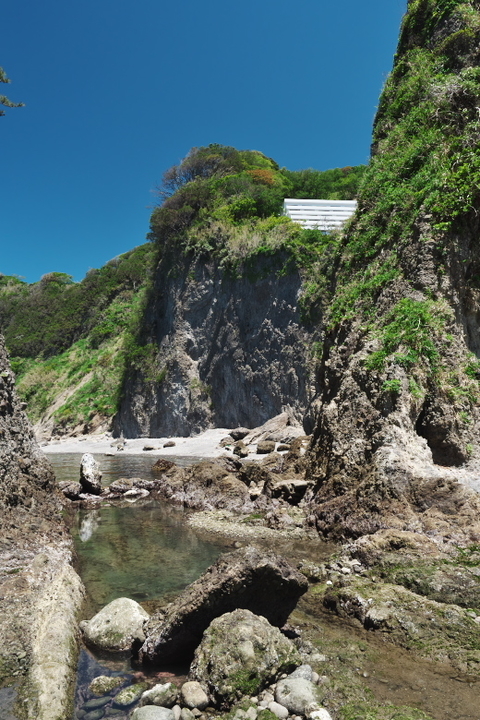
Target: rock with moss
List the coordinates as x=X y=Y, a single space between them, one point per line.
x=104 y=684
x=117 y=626
x=262 y=582
x=129 y=695
x=240 y=654
x=163 y=695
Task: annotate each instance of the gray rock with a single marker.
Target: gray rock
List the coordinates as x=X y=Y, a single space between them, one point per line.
x=170 y=443
x=152 y=712
x=90 y=475
x=265 y=446
x=304 y=671
x=104 y=684
x=186 y=714
x=95 y=703
x=320 y=714
x=94 y=714
x=279 y=710
x=70 y=489
x=177 y=712
x=239 y=433
x=264 y=583
x=239 y=655
x=296 y=694
x=129 y=695
x=117 y=626
x=163 y=694
x=240 y=449
x=192 y=695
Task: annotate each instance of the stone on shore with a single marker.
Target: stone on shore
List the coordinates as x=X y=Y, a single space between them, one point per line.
x=117 y=626
x=152 y=712
x=296 y=694
x=90 y=475
x=262 y=582
x=163 y=695
x=193 y=695
x=240 y=654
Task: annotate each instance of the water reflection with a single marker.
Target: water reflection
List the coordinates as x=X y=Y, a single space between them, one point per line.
x=88 y=525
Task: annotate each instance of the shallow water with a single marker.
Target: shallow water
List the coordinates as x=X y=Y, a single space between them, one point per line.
x=146 y=552
x=143 y=551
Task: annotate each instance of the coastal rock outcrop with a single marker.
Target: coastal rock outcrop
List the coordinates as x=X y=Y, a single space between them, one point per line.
x=40 y=592
x=264 y=583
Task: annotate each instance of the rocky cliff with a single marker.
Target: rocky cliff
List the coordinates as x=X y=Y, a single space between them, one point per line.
x=40 y=592
x=396 y=437
x=230 y=349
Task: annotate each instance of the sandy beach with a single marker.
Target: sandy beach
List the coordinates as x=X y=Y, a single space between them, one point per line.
x=207 y=445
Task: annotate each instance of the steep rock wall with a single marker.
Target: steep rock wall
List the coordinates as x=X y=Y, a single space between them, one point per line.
x=396 y=423
x=40 y=593
x=232 y=350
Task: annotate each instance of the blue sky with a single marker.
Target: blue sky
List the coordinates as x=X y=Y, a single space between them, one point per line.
x=117 y=91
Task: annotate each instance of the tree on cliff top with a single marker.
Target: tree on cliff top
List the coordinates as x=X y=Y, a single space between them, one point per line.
x=3 y=98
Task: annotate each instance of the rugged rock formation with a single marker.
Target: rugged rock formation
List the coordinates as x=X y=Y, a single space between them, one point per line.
x=231 y=351
x=396 y=425
x=239 y=655
x=264 y=583
x=40 y=592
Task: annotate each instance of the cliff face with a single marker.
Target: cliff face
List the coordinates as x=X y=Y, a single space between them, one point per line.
x=229 y=350
x=39 y=591
x=396 y=437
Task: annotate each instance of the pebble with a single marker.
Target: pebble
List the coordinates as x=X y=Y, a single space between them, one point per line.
x=280 y=711
x=315 y=677
x=251 y=713
x=96 y=703
x=177 y=712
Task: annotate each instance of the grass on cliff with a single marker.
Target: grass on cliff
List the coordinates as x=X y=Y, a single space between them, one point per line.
x=70 y=342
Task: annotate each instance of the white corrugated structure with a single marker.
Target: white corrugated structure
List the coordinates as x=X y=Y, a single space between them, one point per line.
x=320 y=214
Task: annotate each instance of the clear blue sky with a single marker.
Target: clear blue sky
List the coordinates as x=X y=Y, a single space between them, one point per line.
x=117 y=91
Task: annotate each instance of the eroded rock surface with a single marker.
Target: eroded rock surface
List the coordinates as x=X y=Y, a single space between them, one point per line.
x=117 y=626
x=263 y=583
x=40 y=592
x=239 y=655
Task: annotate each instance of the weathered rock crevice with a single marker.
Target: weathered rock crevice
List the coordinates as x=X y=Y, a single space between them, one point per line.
x=230 y=350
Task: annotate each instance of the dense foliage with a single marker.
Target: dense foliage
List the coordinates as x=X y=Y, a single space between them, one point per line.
x=225 y=200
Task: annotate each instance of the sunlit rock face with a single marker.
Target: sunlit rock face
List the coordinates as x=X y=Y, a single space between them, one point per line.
x=396 y=421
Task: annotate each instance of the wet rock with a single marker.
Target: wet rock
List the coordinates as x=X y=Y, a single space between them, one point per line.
x=264 y=583
x=104 y=684
x=90 y=475
x=163 y=694
x=296 y=693
x=152 y=712
x=95 y=703
x=117 y=626
x=129 y=695
x=192 y=695
x=239 y=655
x=94 y=714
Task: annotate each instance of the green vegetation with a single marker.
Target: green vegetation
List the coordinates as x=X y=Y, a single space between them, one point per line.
x=3 y=98
x=70 y=342
x=227 y=202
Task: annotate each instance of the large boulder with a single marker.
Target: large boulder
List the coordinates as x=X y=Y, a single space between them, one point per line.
x=262 y=582
x=90 y=475
x=239 y=655
x=117 y=626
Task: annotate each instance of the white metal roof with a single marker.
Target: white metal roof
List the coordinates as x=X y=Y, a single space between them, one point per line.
x=321 y=214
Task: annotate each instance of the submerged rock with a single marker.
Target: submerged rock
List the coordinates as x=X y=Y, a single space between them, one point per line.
x=264 y=583
x=152 y=712
x=104 y=684
x=163 y=695
x=239 y=655
x=117 y=626
x=90 y=475
x=129 y=695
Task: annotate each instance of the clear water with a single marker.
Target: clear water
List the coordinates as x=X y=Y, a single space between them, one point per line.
x=144 y=551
